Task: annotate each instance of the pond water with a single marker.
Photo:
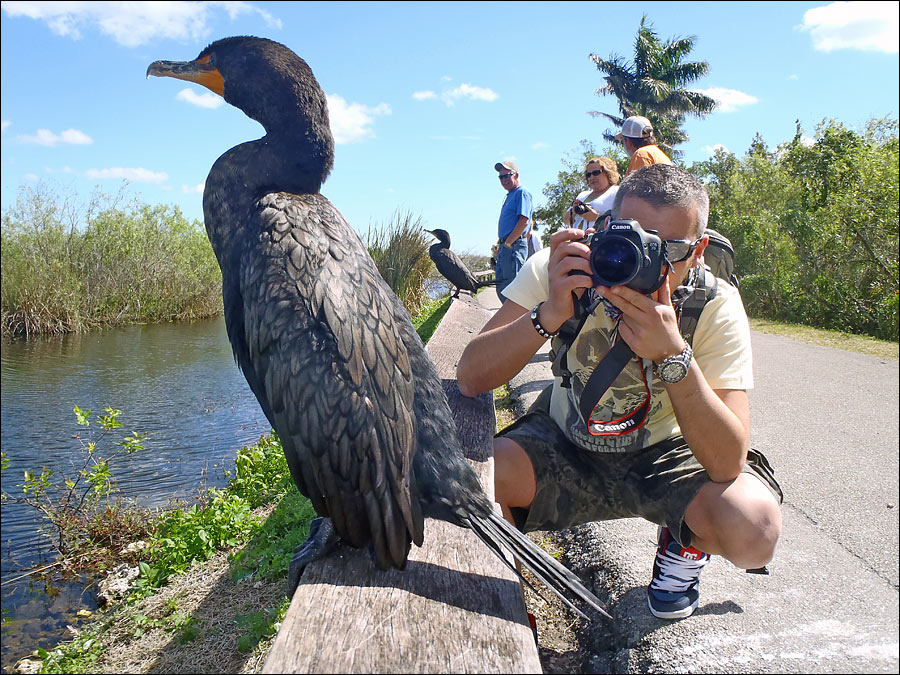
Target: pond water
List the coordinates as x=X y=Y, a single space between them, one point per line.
x=175 y=383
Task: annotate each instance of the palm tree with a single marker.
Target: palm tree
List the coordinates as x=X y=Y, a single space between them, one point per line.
x=654 y=85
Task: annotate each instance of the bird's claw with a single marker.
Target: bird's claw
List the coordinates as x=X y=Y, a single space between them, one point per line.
x=321 y=541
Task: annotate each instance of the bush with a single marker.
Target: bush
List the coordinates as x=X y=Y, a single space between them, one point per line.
x=69 y=269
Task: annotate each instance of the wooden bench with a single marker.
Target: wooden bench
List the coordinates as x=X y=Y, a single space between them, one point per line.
x=454 y=609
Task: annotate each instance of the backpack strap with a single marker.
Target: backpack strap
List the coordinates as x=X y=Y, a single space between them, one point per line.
x=689 y=315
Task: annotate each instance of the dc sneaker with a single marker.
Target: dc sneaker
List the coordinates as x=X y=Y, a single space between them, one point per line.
x=674 y=591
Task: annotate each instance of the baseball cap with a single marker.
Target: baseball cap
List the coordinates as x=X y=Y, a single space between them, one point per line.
x=507 y=166
x=635 y=127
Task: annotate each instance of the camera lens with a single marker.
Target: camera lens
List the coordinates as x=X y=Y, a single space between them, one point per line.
x=615 y=261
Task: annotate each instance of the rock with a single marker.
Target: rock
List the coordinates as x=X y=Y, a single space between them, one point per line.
x=28 y=666
x=134 y=547
x=84 y=614
x=117 y=583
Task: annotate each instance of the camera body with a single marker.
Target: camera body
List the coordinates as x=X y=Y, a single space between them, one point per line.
x=625 y=254
x=581 y=209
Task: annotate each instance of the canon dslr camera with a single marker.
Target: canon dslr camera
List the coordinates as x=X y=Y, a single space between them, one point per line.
x=625 y=254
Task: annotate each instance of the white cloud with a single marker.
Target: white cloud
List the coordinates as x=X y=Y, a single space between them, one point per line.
x=193 y=189
x=5 y=124
x=204 y=100
x=424 y=95
x=712 y=149
x=49 y=139
x=793 y=77
x=729 y=100
x=464 y=90
x=31 y=177
x=807 y=141
x=132 y=24
x=352 y=122
x=133 y=175
x=540 y=145
x=868 y=26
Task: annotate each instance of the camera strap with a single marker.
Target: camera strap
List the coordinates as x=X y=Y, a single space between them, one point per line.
x=600 y=380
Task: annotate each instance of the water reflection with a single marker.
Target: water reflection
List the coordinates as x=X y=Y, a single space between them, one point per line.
x=176 y=383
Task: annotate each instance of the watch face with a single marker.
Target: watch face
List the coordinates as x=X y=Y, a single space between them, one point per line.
x=674 y=371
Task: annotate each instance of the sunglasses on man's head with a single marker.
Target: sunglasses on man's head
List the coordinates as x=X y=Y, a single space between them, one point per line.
x=678 y=250
x=506 y=175
x=588 y=174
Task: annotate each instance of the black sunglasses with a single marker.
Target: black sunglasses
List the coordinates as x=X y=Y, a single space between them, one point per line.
x=588 y=174
x=678 y=250
x=506 y=175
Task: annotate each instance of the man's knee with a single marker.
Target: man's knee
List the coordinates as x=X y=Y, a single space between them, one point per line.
x=741 y=522
x=514 y=480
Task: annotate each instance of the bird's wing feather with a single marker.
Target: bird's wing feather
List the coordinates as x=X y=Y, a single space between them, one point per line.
x=320 y=333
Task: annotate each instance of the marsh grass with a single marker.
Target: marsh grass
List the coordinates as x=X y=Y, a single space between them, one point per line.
x=71 y=268
x=400 y=251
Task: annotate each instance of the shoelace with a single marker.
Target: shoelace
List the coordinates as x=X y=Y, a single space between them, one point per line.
x=676 y=574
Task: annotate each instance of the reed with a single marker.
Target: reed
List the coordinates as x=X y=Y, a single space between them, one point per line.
x=67 y=268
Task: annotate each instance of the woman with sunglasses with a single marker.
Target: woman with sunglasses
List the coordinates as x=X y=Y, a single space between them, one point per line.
x=602 y=177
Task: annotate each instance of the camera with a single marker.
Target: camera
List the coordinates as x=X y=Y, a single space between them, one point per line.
x=625 y=254
x=580 y=209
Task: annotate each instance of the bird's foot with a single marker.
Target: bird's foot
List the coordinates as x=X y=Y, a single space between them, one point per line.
x=321 y=541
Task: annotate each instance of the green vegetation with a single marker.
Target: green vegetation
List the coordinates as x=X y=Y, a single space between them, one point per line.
x=67 y=268
x=814 y=226
x=654 y=85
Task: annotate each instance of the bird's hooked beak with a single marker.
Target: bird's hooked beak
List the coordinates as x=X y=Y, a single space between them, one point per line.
x=201 y=71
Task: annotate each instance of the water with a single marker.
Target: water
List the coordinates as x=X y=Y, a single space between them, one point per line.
x=176 y=383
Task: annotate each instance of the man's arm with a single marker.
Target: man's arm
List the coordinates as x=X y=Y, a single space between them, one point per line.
x=508 y=340
x=518 y=231
x=714 y=423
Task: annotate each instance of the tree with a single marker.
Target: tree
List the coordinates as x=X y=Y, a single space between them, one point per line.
x=654 y=85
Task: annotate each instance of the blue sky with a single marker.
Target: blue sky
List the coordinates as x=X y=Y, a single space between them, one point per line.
x=424 y=97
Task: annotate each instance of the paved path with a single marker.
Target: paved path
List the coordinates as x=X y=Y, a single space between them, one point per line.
x=828 y=421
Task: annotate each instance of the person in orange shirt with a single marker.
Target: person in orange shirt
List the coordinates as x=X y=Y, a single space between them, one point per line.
x=640 y=144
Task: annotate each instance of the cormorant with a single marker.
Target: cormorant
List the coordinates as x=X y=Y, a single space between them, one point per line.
x=325 y=345
x=450 y=266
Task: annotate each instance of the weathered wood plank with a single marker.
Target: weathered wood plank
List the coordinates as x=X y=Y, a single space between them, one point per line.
x=454 y=609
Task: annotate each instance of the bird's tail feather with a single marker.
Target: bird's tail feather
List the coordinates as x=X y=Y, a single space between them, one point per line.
x=497 y=532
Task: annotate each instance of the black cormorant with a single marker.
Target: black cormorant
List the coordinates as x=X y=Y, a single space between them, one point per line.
x=450 y=266
x=326 y=347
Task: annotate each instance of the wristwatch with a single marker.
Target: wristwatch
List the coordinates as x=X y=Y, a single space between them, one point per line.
x=675 y=368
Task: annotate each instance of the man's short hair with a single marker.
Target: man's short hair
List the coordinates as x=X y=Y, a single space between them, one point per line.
x=665 y=185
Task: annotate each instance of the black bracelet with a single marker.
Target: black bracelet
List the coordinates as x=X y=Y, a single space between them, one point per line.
x=543 y=332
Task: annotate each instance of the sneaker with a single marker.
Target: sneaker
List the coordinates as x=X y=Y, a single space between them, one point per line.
x=674 y=591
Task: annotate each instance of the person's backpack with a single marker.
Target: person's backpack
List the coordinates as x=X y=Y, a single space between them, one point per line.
x=719 y=258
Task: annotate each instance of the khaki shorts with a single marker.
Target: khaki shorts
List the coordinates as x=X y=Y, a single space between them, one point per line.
x=576 y=486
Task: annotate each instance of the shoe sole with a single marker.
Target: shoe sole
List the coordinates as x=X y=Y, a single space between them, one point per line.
x=677 y=614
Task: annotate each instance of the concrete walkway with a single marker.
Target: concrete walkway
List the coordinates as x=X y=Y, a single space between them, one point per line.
x=827 y=419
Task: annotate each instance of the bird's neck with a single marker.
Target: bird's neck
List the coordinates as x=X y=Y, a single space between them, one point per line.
x=251 y=170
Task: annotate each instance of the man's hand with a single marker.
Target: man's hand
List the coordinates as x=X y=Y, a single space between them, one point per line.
x=649 y=325
x=567 y=254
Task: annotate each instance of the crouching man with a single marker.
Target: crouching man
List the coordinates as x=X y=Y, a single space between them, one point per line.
x=669 y=441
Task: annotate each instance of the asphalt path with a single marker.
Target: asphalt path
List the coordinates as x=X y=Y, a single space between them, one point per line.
x=827 y=419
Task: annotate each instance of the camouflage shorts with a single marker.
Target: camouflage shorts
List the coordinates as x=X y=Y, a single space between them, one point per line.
x=576 y=486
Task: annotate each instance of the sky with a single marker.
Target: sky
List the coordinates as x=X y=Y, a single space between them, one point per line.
x=424 y=97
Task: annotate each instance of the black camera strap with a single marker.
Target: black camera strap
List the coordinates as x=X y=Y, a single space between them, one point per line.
x=603 y=376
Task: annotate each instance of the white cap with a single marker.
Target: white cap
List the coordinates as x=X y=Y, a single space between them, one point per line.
x=635 y=127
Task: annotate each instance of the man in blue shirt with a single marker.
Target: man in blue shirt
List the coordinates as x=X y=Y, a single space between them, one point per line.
x=512 y=228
